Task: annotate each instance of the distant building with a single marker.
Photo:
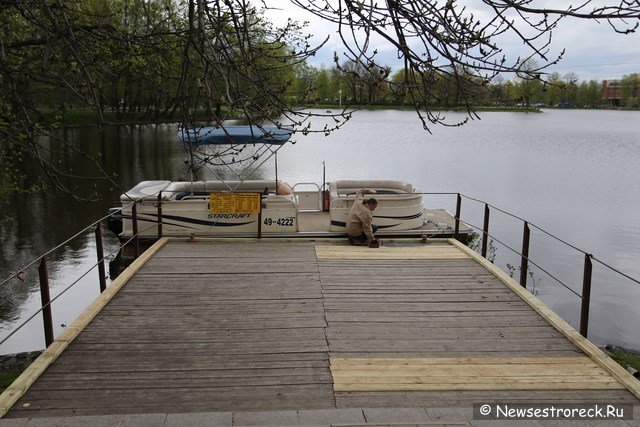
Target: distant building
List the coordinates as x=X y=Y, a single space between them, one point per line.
x=611 y=91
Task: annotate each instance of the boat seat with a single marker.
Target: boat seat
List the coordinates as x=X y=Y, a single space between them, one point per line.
x=181 y=195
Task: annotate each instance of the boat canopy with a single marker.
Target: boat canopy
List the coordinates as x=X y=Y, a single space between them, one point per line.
x=234 y=135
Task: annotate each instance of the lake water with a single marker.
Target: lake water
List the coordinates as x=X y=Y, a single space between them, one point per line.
x=574 y=173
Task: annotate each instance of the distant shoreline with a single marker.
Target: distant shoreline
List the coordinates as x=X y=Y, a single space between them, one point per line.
x=77 y=117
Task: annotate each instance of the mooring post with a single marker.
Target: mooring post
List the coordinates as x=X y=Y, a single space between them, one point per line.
x=524 y=263
x=160 y=215
x=458 y=207
x=100 y=254
x=586 y=296
x=485 y=230
x=46 y=302
x=134 y=221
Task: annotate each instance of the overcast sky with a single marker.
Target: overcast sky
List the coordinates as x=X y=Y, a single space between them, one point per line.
x=592 y=50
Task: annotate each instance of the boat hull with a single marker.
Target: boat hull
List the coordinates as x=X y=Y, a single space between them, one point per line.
x=400 y=204
x=186 y=208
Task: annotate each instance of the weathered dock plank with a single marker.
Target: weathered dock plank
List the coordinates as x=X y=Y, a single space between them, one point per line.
x=232 y=325
x=200 y=327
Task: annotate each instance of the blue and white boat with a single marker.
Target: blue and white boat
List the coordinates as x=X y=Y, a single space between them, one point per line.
x=194 y=207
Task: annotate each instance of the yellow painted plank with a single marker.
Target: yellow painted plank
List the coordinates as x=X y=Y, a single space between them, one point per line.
x=19 y=387
x=590 y=349
x=389 y=252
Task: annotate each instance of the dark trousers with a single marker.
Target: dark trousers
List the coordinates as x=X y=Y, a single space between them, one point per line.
x=362 y=239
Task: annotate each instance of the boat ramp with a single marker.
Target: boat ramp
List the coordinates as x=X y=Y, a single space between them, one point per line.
x=300 y=331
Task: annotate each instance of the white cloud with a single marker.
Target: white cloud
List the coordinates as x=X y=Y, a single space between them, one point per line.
x=592 y=50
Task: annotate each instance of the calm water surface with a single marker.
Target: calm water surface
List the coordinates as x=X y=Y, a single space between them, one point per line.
x=573 y=173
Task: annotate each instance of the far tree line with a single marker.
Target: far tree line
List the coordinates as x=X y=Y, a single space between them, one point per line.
x=349 y=84
x=352 y=84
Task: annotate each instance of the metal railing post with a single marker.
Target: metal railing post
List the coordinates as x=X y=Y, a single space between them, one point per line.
x=100 y=254
x=524 y=263
x=458 y=208
x=160 y=215
x=46 y=302
x=485 y=230
x=134 y=221
x=586 y=296
x=260 y=219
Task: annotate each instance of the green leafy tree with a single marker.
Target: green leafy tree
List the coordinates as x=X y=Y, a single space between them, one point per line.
x=630 y=90
x=529 y=86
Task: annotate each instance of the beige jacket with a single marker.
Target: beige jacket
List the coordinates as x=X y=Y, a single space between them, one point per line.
x=360 y=217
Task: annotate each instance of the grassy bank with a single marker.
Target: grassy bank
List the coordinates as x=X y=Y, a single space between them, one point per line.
x=7 y=378
x=12 y=365
x=624 y=357
x=87 y=117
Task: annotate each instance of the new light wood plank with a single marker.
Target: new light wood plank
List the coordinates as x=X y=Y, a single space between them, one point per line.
x=536 y=385
x=463 y=361
x=328 y=252
x=470 y=374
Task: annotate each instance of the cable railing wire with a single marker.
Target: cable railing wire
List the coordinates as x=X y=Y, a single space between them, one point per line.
x=524 y=220
x=537 y=228
x=554 y=237
x=90 y=269
x=614 y=269
x=528 y=260
x=79 y=233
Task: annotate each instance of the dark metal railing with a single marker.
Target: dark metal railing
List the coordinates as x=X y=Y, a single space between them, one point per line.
x=43 y=273
x=525 y=261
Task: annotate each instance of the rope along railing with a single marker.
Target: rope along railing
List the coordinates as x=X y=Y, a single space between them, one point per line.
x=60 y=245
x=52 y=300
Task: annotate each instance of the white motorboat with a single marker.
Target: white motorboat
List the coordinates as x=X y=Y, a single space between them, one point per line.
x=186 y=209
x=267 y=207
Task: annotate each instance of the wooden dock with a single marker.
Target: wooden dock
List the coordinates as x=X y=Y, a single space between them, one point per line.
x=246 y=325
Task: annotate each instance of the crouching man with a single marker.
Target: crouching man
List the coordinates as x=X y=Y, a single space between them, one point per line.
x=360 y=229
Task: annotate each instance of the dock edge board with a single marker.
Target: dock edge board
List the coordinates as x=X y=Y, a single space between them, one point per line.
x=20 y=386
x=589 y=348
